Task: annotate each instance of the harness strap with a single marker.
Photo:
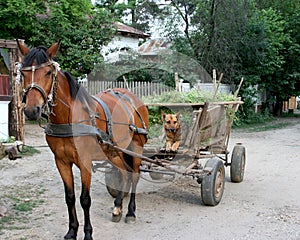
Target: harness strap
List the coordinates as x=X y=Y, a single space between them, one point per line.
x=33 y=85
x=116 y=95
x=75 y=130
x=107 y=114
x=126 y=98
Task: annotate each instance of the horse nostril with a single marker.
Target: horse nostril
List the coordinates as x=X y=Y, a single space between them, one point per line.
x=38 y=109
x=32 y=113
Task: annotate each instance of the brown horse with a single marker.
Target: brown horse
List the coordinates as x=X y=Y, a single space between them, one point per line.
x=82 y=128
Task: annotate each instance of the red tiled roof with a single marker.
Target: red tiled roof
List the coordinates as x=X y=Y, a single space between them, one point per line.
x=153 y=46
x=122 y=28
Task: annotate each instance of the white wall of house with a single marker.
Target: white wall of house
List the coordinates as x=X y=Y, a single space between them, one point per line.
x=115 y=48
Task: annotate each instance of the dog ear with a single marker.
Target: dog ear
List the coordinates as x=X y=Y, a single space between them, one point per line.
x=163 y=115
x=178 y=115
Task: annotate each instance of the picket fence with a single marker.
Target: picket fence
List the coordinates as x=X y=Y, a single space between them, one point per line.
x=144 y=89
x=141 y=89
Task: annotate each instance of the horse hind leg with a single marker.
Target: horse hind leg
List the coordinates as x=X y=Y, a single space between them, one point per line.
x=118 y=203
x=118 y=163
x=134 y=177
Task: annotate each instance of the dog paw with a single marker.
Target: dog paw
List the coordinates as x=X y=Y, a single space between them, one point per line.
x=162 y=149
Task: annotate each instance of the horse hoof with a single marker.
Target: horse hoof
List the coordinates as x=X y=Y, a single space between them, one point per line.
x=70 y=238
x=88 y=237
x=130 y=219
x=70 y=235
x=116 y=218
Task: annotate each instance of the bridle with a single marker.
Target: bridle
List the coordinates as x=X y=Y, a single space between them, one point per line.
x=49 y=100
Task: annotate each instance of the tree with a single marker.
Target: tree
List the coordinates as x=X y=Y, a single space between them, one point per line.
x=140 y=14
x=210 y=32
x=18 y=18
x=255 y=39
x=82 y=29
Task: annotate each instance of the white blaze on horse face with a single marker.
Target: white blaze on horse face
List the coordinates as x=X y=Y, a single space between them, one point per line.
x=41 y=77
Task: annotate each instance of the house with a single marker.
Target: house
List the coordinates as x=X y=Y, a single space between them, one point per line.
x=151 y=48
x=126 y=40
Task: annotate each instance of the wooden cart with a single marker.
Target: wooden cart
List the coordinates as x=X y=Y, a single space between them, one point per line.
x=203 y=154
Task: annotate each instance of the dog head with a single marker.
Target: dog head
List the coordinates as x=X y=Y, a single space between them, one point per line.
x=171 y=122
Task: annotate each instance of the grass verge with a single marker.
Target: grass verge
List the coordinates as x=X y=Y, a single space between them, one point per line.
x=20 y=202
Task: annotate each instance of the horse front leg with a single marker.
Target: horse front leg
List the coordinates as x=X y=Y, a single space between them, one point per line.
x=66 y=174
x=85 y=201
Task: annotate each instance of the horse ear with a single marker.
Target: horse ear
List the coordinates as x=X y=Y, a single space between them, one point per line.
x=52 y=51
x=23 y=49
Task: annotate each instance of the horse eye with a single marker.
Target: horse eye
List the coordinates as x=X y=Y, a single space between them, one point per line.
x=49 y=73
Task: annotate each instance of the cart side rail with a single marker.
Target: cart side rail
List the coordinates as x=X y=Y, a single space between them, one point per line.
x=211 y=126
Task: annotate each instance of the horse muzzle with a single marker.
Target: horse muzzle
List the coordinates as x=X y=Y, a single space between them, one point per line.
x=33 y=113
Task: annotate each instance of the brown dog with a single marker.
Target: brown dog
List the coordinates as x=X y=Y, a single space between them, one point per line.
x=171 y=124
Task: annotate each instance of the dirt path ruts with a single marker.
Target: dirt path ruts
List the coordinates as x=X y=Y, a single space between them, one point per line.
x=266 y=205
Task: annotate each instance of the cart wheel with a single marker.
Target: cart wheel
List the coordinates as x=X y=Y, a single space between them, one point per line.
x=113 y=180
x=212 y=186
x=155 y=176
x=238 y=161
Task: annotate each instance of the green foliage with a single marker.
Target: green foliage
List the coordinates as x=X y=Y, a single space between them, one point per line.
x=18 y=18
x=252 y=119
x=255 y=39
x=141 y=14
x=193 y=96
x=21 y=200
x=29 y=151
x=82 y=29
x=11 y=139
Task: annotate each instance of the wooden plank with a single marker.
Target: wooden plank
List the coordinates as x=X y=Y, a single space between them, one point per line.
x=12 y=44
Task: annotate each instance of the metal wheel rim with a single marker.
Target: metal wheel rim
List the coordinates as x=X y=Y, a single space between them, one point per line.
x=219 y=183
x=243 y=165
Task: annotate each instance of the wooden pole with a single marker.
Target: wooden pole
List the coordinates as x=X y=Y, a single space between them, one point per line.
x=177 y=81
x=16 y=116
x=239 y=87
x=215 y=78
x=217 y=88
x=126 y=84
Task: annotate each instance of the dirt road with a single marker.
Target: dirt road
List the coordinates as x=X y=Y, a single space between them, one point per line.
x=266 y=205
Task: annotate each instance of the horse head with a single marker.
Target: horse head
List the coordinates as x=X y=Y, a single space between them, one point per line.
x=39 y=73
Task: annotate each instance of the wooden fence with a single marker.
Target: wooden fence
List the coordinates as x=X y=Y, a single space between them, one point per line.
x=139 y=88
x=144 y=89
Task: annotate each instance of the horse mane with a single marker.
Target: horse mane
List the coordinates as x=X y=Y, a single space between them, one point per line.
x=39 y=54
x=78 y=91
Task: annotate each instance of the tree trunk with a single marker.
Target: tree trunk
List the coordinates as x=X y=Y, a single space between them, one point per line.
x=278 y=107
